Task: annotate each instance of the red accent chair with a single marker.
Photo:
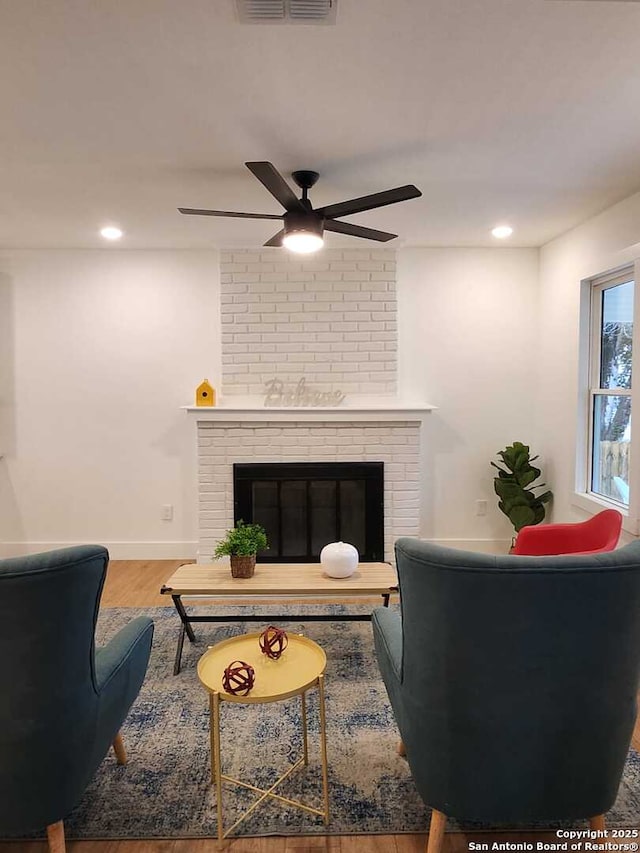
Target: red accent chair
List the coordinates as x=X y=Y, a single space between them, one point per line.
x=600 y=533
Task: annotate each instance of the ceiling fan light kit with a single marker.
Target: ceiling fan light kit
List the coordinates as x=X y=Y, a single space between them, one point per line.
x=303 y=229
x=302 y=242
x=303 y=226
x=302 y=234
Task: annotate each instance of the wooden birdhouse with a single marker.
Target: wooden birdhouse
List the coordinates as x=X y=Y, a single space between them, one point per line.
x=205 y=394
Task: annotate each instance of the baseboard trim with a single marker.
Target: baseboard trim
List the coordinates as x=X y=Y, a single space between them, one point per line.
x=117 y=550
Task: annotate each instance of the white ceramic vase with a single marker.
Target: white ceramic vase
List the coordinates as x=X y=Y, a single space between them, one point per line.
x=339 y=559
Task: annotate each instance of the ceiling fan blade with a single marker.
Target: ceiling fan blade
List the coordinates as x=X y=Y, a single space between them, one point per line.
x=271 y=178
x=357 y=231
x=276 y=240
x=368 y=202
x=193 y=211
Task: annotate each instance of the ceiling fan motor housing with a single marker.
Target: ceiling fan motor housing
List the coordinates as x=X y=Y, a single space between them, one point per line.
x=308 y=221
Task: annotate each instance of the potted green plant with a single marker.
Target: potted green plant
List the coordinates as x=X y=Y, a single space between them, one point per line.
x=241 y=544
x=514 y=486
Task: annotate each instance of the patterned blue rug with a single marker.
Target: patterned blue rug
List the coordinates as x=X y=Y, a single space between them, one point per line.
x=165 y=792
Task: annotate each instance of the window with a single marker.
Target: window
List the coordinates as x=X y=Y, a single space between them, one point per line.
x=610 y=387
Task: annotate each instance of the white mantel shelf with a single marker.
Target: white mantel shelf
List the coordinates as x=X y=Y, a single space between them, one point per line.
x=369 y=412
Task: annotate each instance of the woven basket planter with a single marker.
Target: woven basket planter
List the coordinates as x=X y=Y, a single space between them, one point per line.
x=242 y=567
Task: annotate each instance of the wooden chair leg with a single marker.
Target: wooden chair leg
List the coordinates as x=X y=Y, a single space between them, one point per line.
x=120 y=751
x=401 y=750
x=597 y=822
x=436 y=832
x=55 y=837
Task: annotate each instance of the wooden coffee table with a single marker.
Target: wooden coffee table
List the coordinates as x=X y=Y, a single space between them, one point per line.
x=272 y=580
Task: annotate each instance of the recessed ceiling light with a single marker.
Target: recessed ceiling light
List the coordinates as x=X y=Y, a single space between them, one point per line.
x=502 y=231
x=111 y=232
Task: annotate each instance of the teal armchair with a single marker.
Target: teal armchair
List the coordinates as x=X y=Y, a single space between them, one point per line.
x=513 y=681
x=62 y=701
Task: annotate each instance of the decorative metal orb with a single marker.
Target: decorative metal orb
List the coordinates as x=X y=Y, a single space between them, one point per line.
x=273 y=641
x=238 y=679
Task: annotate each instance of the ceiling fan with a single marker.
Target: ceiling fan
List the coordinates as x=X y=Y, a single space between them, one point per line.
x=304 y=226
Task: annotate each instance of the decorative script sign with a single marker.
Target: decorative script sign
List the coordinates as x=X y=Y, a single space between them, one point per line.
x=301 y=395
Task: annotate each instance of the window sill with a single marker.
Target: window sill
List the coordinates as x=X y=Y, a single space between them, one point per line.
x=592 y=504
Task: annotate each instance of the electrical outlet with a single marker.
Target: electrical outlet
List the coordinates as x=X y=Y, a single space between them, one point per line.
x=481 y=507
x=167 y=512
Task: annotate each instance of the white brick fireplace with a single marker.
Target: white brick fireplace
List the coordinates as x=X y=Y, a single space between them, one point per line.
x=226 y=436
x=332 y=319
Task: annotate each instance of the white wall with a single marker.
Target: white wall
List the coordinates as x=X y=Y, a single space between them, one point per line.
x=98 y=350
x=468 y=334
x=602 y=243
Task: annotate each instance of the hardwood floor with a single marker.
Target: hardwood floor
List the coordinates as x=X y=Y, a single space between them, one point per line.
x=136 y=583
x=453 y=843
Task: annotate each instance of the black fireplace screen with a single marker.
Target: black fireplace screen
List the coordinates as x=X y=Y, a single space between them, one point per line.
x=305 y=505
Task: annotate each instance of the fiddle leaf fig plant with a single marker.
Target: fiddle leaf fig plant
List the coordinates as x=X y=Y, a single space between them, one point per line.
x=514 y=485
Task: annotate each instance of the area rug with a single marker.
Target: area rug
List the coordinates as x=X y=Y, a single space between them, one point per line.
x=165 y=792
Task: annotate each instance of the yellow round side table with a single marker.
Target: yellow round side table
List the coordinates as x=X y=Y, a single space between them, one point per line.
x=300 y=668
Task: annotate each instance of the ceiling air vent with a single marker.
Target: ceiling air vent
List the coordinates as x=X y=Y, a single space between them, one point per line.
x=287 y=11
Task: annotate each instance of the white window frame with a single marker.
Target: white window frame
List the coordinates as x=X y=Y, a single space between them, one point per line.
x=590 y=345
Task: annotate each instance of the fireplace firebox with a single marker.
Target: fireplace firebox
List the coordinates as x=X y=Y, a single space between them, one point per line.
x=305 y=505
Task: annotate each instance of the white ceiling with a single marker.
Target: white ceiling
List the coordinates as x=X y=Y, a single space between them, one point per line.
x=524 y=111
